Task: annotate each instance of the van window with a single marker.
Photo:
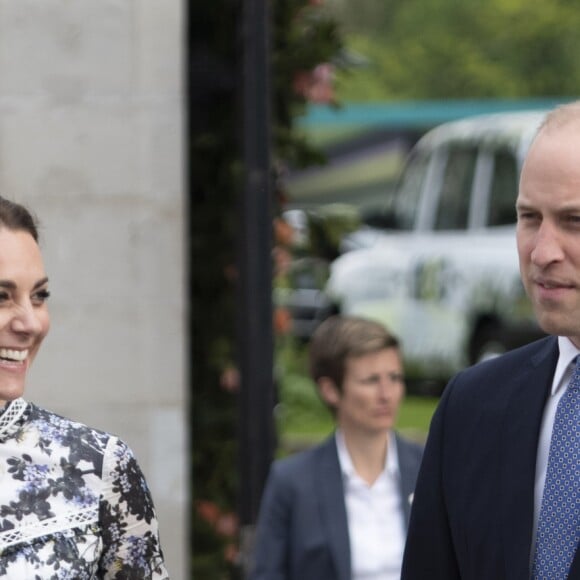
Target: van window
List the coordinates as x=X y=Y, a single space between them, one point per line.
x=504 y=190
x=453 y=209
x=405 y=204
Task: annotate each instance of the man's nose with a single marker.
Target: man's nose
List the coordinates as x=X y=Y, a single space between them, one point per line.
x=547 y=247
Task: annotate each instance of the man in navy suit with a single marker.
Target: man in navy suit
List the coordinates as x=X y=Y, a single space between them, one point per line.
x=479 y=502
x=339 y=511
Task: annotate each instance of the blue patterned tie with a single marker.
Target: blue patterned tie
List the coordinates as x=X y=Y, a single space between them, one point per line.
x=559 y=521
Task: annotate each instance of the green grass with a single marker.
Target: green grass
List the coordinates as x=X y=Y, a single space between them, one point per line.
x=415 y=416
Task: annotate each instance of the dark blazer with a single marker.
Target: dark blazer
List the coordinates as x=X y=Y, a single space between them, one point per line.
x=302 y=531
x=472 y=515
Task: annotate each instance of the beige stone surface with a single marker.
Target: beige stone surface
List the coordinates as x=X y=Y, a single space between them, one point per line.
x=91 y=137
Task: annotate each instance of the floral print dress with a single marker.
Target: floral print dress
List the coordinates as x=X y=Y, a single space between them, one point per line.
x=74 y=504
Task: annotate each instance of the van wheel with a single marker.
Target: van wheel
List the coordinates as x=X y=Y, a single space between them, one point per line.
x=489 y=341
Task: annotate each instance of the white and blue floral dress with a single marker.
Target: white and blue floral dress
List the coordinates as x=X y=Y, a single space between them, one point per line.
x=74 y=504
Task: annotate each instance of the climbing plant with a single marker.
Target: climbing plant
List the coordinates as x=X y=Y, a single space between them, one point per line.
x=305 y=45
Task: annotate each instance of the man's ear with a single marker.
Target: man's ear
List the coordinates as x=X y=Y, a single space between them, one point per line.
x=329 y=392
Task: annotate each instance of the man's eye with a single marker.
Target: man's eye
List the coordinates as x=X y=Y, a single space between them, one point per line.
x=4 y=296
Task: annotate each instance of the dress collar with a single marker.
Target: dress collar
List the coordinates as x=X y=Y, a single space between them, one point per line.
x=10 y=416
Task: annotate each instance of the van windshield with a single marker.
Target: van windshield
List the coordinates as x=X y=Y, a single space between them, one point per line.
x=404 y=204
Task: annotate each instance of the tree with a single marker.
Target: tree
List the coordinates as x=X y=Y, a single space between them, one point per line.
x=437 y=49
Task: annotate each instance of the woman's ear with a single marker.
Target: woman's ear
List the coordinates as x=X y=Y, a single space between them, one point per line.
x=329 y=392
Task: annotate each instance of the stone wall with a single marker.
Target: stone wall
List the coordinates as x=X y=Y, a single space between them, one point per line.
x=91 y=139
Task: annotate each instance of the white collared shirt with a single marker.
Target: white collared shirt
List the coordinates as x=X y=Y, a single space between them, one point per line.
x=562 y=376
x=376 y=525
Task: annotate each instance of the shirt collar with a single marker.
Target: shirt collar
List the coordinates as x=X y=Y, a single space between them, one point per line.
x=568 y=352
x=346 y=466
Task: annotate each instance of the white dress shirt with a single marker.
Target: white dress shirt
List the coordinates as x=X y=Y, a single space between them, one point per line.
x=376 y=525
x=562 y=376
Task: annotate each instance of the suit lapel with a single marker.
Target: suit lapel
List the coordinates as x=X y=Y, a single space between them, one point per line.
x=333 y=510
x=522 y=420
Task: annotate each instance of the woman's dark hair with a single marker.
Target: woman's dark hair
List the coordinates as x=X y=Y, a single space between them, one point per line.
x=15 y=216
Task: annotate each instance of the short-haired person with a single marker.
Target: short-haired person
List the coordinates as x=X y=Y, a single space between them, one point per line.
x=73 y=501
x=498 y=495
x=340 y=510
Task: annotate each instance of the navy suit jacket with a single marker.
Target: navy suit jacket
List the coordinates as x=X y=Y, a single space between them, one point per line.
x=302 y=531
x=472 y=515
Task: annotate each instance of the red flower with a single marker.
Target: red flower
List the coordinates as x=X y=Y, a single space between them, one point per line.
x=282 y=321
x=208 y=511
x=283 y=232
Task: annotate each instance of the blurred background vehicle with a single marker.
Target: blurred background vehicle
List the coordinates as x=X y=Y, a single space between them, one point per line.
x=437 y=263
x=317 y=235
x=304 y=296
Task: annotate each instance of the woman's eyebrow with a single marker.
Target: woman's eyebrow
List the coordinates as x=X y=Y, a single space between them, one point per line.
x=10 y=285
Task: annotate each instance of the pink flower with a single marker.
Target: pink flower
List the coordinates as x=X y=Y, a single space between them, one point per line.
x=316 y=85
x=227 y=525
x=230 y=380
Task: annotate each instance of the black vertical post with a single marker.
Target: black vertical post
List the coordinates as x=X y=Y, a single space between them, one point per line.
x=255 y=271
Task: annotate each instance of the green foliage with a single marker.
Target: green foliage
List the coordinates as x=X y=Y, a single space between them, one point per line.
x=215 y=169
x=428 y=49
x=301 y=415
x=328 y=225
x=303 y=36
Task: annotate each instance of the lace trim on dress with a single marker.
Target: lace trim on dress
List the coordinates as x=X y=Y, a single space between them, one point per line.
x=27 y=532
x=10 y=415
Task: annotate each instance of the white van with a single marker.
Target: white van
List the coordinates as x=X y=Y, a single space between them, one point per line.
x=438 y=265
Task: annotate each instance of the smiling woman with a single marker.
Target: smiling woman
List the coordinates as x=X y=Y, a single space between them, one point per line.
x=24 y=320
x=73 y=501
